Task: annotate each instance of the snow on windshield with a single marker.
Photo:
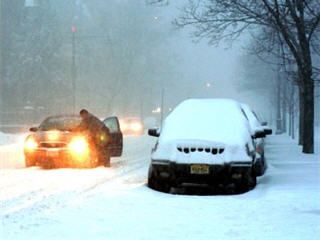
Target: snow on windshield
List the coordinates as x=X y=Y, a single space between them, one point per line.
x=219 y=120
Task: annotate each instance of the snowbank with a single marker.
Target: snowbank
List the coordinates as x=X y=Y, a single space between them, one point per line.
x=7 y=138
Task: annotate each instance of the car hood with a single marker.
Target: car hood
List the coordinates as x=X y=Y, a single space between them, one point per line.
x=54 y=136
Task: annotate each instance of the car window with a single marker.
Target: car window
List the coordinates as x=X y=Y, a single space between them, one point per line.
x=244 y=113
x=112 y=124
x=63 y=123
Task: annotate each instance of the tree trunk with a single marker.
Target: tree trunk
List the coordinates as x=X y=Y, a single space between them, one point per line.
x=284 y=117
x=284 y=104
x=279 y=122
x=290 y=121
x=292 y=124
x=292 y=108
x=308 y=116
x=301 y=118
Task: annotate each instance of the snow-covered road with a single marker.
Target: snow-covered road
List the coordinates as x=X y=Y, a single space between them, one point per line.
x=116 y=204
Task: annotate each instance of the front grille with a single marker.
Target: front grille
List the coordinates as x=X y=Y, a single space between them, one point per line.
x=212 y=150
x=52 y=145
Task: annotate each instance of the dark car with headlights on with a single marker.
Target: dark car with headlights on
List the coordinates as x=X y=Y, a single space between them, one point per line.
x=57 y=143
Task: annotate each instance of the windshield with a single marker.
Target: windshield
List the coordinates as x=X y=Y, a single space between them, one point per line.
x=62 y=123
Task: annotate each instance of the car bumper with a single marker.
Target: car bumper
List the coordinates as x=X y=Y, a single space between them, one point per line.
x=57 y=158
x=180 y=174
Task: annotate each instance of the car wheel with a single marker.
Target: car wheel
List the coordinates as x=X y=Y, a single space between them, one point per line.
x=248 y=181
x=258 y=168
x=104 y=159
x=107 y=162
x=157 y=184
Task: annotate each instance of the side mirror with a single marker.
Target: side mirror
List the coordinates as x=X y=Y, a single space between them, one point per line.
x=268 y=131
x=264 y=124
x=33 y=129
x=259 y=134
x=154 y=132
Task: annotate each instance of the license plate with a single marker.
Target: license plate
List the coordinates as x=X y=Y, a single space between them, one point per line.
x=52 y=154
x=199 y=169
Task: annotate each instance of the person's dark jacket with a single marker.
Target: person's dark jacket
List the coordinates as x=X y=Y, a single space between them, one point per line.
x=97 y=130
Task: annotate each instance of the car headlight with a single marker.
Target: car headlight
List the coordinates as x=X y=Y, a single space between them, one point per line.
x=123 y=126
x=136 y=127
x=30 y=144
x=79 y=146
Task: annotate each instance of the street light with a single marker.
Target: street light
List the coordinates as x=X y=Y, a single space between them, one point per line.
x=157 y=110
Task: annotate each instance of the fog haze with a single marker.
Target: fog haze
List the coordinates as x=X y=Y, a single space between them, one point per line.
x=126 y=55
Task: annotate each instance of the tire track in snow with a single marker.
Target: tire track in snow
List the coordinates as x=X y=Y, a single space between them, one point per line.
x=44 y=197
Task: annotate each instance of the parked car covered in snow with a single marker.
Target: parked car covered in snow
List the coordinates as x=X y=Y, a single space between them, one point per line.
x=57 y=143
x=260 y=163
x=206 y=142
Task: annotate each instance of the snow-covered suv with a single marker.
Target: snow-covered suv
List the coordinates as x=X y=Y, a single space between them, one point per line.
x=204 y=141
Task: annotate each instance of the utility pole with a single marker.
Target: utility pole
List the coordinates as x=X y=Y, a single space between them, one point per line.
x=162 y=107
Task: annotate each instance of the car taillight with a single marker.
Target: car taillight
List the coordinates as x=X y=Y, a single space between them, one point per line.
x=259 y=150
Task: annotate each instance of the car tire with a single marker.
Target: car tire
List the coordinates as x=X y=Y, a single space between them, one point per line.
x=258 y=168
x=157 y=184
x=248 y=181
x=104 y=160
x=107 y=163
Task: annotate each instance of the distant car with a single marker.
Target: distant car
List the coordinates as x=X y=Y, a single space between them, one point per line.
x=55 y=143
x=131 y=126
x=203 y=142
x=260 y=163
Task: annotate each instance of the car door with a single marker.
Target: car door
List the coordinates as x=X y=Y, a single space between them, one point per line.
x=116 y=144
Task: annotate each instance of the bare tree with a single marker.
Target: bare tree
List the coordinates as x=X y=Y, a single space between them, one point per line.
x=295 y=21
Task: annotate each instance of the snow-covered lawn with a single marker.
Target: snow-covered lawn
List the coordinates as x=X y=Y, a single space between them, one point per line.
x=116 y=204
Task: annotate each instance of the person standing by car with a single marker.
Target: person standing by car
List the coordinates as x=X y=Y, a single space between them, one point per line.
x=98 y=133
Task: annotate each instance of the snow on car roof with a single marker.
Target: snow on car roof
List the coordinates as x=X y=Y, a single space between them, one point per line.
x=219 y=120
x=253 y=121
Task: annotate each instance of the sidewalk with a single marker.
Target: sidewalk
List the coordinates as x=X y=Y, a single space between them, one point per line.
x=284 y=148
